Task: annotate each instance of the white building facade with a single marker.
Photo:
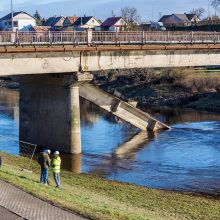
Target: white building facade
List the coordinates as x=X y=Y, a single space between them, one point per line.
x=21 y=20
x=83 y=23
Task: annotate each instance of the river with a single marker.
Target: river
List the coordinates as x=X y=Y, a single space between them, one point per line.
x=186 y=158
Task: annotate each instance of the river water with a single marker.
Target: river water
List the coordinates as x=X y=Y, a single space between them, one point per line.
x=186 y=158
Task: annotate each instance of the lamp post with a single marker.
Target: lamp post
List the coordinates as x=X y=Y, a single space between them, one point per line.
x=12 y=16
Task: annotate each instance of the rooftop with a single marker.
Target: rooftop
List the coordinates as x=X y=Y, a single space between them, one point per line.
x=110 y=21
x=82 y=20
x=184 y=17
x=8 y=16
x=52 y=21
x=72 y=19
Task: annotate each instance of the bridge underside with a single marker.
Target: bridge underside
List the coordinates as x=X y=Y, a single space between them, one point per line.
x=69 y=60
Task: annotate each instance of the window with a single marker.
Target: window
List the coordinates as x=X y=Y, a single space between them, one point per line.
x=15 y=24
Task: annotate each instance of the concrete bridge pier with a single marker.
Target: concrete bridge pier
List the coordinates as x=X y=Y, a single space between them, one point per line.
x=50 y=111
x=75 y=129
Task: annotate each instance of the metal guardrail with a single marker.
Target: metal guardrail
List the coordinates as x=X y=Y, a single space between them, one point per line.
x=110 y=38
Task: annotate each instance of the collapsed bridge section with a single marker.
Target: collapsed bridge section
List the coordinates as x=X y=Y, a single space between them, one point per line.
x=121 y=109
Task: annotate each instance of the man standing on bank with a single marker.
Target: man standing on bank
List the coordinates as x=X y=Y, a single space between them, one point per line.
x=44 y=161
x=56 y=162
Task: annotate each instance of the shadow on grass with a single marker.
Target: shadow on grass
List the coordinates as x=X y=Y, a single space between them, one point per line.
x=18 y=176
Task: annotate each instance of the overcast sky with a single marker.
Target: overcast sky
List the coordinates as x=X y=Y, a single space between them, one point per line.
x=148 y=9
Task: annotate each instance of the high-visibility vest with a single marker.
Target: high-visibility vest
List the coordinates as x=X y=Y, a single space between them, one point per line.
x=56 y=164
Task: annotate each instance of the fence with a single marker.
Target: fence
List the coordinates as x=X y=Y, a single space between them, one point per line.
x=108 y=38
x=27 y=150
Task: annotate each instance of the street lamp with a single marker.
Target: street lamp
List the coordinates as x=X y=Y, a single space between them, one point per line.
x=12 y=16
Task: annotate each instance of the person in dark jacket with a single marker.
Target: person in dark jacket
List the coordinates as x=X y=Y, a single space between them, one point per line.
x=44 y=161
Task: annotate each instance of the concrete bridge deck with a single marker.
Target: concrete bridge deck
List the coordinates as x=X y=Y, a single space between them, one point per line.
x=70 y=59
x=93 y=48
x=68 y=52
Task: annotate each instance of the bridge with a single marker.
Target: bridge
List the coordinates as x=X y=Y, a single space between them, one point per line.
x=68 y=52
x=54 y=69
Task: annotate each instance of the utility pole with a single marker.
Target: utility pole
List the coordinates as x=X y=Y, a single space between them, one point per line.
x=12 y=16
x=209 y=9
x=209 y=16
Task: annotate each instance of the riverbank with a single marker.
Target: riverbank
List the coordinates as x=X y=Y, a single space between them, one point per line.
x=98 y=198
x=6 y=82
x=176 y=88
x=197 y=89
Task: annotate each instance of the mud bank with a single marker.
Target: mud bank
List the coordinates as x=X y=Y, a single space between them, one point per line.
x=184 y=88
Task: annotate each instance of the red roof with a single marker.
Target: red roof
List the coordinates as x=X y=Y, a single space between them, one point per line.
x=72 y=19
x=40 y=28
x=110 y=21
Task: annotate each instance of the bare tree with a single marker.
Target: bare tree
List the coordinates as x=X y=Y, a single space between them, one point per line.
x=215 y=4
x=130 y=15
x=199 y=12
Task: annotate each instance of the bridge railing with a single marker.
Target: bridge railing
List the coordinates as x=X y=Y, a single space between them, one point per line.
x=104 y=37
x=6 y=38
x=155 y=37
x=50 y=37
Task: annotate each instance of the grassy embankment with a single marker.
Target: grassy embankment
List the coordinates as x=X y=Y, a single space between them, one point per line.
x=97 y=198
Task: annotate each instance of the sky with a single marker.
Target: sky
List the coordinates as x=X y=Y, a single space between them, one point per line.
x=148 y=9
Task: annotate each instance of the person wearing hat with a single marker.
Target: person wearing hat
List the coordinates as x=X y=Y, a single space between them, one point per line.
x=44 y=161
x=56 y=162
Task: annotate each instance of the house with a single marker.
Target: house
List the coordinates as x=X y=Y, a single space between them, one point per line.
x=55 y=23
x=179 y=19
x=151 y=26
x=69 y=20
x=114 y=24
x=85 y=22
x=20 y=20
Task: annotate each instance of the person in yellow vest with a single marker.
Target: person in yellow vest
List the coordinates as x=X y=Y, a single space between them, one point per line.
x=56 y=162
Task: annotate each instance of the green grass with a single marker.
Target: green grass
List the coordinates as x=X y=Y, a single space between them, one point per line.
x=98 y=198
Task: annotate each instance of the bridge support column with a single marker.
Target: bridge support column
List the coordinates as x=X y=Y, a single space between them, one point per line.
x=75 y=130
x=50 y=110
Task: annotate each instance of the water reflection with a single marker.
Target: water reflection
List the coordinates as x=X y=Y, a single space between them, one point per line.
x=130 y=148
x=184 y=158
x=9 y=100
x=72 y=163
x=9 y=113
x=177 y=116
